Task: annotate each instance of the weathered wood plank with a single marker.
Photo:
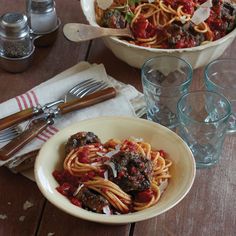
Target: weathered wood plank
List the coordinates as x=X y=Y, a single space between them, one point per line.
x=17 y=194
x=114 y=67
x=57 y=222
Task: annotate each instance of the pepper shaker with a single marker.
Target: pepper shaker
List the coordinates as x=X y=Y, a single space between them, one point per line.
x=15 y=39
x=16 y=46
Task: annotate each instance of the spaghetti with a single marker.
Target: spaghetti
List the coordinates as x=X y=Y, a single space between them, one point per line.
x=116 y=177
x=168 y=23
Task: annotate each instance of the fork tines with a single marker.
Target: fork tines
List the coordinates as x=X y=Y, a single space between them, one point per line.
x=9 y=133
x=87 y=87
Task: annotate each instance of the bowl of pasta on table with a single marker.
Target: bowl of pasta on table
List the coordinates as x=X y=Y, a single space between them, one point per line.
x=198 y=31
x=115 y=170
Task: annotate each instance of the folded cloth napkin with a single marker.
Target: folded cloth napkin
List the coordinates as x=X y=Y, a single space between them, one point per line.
x=128 y=102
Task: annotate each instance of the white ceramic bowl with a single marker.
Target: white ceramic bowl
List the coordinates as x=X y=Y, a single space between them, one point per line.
x=136 y=55
x=182 y=171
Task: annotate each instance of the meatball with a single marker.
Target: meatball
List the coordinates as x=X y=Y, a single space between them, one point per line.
x=228 y=13
x=183 y=36
x=113 y=19
x=80 y=139
x=92 y=200
x=134 y=171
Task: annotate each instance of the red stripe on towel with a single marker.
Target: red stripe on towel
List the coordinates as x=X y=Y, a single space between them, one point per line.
x=29 y=99
x=19 y=103
x=35 y=97
x=24 y=101
x=55 y=130
x=41 y=138
x=49 y=131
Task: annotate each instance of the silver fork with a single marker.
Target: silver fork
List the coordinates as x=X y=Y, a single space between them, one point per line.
x=86 y=87
x=9 y=133
x=80 y=90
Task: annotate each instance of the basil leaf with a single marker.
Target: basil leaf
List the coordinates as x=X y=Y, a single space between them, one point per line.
x=131 y=2
x=129 y=16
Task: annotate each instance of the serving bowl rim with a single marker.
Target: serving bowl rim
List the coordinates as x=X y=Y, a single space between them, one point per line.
x=160 y=50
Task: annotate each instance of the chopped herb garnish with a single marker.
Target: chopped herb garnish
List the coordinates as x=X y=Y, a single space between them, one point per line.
x=129 y=16
x=133 y=1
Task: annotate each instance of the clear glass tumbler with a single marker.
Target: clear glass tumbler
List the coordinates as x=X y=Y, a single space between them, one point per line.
x=165 y=79
x=204 y=117
x=220 y=76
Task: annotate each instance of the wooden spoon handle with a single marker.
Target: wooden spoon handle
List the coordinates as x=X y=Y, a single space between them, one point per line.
x=77 y=32
x=20 y=141
x=88 y=100
x=16 y=118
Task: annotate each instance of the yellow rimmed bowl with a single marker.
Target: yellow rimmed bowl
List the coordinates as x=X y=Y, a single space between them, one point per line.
x=182 y=171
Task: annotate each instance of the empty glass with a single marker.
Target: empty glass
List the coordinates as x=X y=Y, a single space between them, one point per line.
x=164 y=80
x=220 y=76
x=203 y=117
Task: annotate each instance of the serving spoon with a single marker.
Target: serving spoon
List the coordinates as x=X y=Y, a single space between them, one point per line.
x=77 y=32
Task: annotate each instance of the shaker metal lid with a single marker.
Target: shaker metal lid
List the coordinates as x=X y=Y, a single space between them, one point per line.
x=13 y=25
x=42 y=6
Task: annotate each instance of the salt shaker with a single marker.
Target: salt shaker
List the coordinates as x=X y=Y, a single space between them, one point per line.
x=42 y=16
x=15 y=41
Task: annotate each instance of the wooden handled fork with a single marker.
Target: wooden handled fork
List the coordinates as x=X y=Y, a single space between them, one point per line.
x=39 y=125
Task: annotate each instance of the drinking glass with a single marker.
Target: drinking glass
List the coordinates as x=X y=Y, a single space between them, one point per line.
x=164 y=80
x=203 y=117
x=220 y=76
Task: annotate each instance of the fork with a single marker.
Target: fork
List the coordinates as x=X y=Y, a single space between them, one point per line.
x=86 y=87
x=83 y=88
x=9 y=133
x=49 y=118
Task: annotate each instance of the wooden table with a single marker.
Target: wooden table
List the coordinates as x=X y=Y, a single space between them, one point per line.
x=208 y=209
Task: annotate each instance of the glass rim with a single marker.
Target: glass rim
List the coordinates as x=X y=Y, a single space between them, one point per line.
x=208 y=77
x=180 y=111
x=187 y=81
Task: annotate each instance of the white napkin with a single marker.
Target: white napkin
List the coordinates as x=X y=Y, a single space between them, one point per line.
x=128 y=102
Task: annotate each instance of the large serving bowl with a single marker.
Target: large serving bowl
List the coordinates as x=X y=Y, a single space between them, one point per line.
x=182 y=171
x=136 y=55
